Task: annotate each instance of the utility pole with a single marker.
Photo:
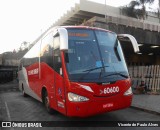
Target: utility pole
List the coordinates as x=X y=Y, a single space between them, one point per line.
x=159 y=11
x=105 y=11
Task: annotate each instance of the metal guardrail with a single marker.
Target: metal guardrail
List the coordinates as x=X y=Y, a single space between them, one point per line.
x=149 y=74
x=127 y=21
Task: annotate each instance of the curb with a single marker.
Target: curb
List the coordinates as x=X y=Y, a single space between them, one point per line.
x=145 y=110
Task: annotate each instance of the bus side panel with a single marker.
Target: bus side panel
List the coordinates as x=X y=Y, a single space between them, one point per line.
x=47 y=81
x=43 y=78
x=24 y=82
x=33 y=77
x=60 y=93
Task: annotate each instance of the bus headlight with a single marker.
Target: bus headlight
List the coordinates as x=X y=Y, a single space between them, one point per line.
x=128 y=92
x=76 y=98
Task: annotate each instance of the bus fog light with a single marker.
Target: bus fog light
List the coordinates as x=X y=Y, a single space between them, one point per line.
x=128 y=92
x=76 y=98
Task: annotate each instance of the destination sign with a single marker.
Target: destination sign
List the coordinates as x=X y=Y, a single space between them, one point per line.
x=78 y=34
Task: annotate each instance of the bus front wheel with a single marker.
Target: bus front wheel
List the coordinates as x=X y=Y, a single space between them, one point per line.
x=47 y=103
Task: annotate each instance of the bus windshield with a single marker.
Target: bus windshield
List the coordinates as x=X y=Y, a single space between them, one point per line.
x=94 y=56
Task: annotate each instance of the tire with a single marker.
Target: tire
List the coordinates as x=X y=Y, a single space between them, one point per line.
x=47 y=103
x=23 y=93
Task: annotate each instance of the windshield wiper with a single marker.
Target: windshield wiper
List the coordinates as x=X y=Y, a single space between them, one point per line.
x=89 y=70
x=120 y=74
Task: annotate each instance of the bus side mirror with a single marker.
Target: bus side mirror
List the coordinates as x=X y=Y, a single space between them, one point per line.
x=132 y=39
x=63 y=34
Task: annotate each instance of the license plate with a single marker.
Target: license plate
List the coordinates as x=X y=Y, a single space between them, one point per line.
x=108 y=105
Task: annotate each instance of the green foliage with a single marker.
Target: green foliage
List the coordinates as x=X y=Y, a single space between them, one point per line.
x=130 y=9
x=137 y=9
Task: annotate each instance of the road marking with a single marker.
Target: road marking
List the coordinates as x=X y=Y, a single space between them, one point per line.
x=8 y=114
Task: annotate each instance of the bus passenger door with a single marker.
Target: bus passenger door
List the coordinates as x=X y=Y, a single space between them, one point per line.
x=58 y=77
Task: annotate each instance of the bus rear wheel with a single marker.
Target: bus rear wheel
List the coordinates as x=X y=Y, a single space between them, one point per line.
x=47 y=103
x=23 y=93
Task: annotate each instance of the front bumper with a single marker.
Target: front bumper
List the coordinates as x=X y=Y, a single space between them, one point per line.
x=97 y=106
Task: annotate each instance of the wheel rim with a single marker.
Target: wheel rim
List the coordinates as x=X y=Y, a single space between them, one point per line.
x=23 y=91
x=47 y=102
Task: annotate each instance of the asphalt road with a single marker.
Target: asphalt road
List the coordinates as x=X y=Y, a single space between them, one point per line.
x=15 y=107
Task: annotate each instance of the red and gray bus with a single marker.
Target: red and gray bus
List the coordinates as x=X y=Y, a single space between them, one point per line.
x=77 y=71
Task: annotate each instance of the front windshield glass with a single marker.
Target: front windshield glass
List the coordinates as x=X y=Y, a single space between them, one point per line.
x=94 y=56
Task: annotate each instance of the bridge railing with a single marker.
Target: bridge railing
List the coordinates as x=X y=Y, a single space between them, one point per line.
x=149 y=74
x=127 y=21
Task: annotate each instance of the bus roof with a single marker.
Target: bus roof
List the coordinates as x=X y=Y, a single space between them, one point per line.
x=70 y=26
x=87 y=27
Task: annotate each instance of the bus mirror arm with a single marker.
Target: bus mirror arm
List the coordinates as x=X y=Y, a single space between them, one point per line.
x=132 y=39
x=63 y=33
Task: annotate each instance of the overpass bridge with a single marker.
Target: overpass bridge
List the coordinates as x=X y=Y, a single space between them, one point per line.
x=147 y=32
x=143 y=65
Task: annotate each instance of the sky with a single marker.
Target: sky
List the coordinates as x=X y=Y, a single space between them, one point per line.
x=25 y=20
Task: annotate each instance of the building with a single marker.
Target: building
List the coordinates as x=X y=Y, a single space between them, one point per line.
x=8 y=67
x=0 y=59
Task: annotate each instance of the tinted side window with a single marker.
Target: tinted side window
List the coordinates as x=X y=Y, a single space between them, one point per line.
x=47 y=50
x=32 y=56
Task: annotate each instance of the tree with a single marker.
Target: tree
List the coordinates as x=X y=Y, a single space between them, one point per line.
x=24 y=45
x=142 y=3
x=137 y=9
x=129 y=10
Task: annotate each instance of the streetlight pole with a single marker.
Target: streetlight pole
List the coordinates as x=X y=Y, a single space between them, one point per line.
x=105 y=10
x=159 y=11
